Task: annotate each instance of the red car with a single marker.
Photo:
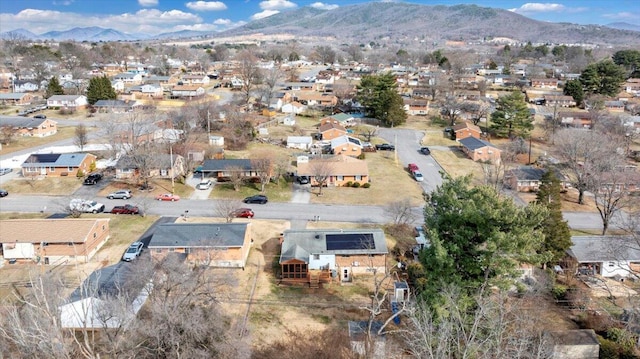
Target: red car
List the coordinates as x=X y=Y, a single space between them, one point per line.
x=243 y=213
x=126 y=209
x=168 y=197
x=413 y=167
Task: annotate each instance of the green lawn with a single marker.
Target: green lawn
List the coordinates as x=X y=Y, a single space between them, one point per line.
x=277 y=192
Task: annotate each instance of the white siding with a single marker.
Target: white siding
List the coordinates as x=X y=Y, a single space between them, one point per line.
x=18 y=250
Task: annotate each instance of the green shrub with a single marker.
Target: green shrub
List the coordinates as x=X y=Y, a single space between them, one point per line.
x=366 y=185
x=361 y=156
x=559 y=292
x=348 y=184
x=356 y=184
x=80 y=174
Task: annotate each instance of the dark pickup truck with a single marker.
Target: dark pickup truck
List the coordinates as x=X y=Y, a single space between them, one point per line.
x=126 y=209
x=385 y=147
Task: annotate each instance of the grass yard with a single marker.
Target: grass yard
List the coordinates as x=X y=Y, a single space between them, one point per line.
x=159 y=186
x=22 y=143
x=457 y=164
x=276 y=192
x=124 y=230
x=435 y=137
x=55 y=186
x=389 y=182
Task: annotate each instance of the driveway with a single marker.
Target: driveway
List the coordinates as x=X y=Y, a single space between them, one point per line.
x=198 y=194
x=301 y=193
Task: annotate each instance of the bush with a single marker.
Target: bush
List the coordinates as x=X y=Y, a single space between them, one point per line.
x=361 y=156
x=356 y=184
x=348 y=184
x=559 y=292
x=366 y=185
x=80 y=174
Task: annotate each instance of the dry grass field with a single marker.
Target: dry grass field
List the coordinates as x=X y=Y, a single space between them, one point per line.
x=55 y=186
x=23 y=143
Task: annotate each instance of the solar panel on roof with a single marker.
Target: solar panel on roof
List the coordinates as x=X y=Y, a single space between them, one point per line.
x=344 y=241
x=46 y=157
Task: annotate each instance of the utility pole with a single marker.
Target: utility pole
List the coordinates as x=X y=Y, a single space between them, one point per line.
x=171 y=167
x=208 y=125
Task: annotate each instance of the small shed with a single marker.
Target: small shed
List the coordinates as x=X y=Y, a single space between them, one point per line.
x=371 y=345
x=299 y=142
x=216 y=140
x=289 y=121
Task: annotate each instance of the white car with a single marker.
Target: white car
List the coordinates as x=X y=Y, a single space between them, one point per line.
x=418 y=176
x=204 y=184
x=133 y=252
x=86 y=206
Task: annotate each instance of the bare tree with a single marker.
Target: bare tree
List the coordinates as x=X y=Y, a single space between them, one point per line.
x=237 y=176
x=321 y=170
x=8 y=134
x=227 y=209
x=451 y=108
x=249 y=72
x=82 y=136
x=271 y=78
x=401 y=212
x=369 y=132
x=610 y=190
x=263 y=166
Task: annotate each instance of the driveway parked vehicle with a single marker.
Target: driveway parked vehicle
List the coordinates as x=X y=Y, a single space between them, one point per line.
x=303 y=179
x=3 y=193
x=133 y=252
x=4 y=171
x=425 y=150
x=204 y=184
x=418 y=176
x=243 y=213
x=168 y=197
x=126 y=209
x=261 y=199
x=122 y=194
x=40 y=116
x=385 y=147
x=92 y=179
x=86 y=206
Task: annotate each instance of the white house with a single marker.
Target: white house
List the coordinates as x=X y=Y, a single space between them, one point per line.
x=118 y=85
x=68 y=101
x=128 y=78
x=300 y=142
x=293 y=107
x=25 y=86
x=608 y=256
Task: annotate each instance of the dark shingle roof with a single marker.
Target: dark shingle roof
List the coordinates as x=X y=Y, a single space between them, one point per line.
x=55 y=160
x=299 y=244
x=222 y=165
x=473 y=143
x=586 y=249
x=199 y=235
x=21 y=122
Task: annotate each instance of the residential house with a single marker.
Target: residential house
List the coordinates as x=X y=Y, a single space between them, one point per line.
x=331 y=130
x=632 y=123
x=75 y=102
x=344 y=119
x=528 y=178
x=500 y=80
x=466 y=129
x=312 y=98
x=53 y=241
x=299 y=142
x=14 y=98
x=607 y=256
x=158 y=80
x=213 y=244
x=153 y=91
x=29 y=126
x=614 y=106
x=187 y=91
x=579 y=119
x=416 y=107
x=114 y=106
x=632 y=86
x=57 y=164
x=421 y=92
x=128 y=78
x=559 y=101
x=480 y=150
x=346 y=145
x=625 y=179
x=221 y=169
x=300 y=86
x=321 y=255
x=469 y=95
x=572 y=344
x=25 y=86
x=156 y=165
x=195 y=80
x=293 y=107
x=341 y=170
x=544 y=83
x=118 y=86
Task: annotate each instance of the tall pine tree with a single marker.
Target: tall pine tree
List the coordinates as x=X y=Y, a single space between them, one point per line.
x=557 y=237
x=53 y=88
x=100 y=89
x=512 y=117
x=379 y=94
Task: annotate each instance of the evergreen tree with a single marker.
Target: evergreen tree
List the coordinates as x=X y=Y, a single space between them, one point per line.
x=512 y=117
x=630 y=59
x=100 y=89
x=557 y=236
x=53 y=88
x=477 y=238
x=379 y=94
x=574 y=89
x=604 y=78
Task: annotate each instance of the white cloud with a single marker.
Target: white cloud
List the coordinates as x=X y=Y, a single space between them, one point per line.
x=206 y=5
x=147 y=3
x=323 y=6
x=276 y=5
x=263 y=14
x=539 y=7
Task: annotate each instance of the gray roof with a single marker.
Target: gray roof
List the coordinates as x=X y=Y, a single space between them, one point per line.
x=528 y=173
x=112 y=103
x=161 y=160
x=299 y=244
x=21 y=122
x=473 y=143
x=55 y=160
x=64 y=97
x=590 y=249
x=342 y=140
x=12 y=96
x=299 y=139
x=172 y=235
x=223 y=165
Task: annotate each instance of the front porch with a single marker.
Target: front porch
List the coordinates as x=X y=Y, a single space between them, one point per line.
x=297 y=272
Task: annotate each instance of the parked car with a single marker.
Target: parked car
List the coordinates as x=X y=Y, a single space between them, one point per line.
x=418 y=176
x=121 y=194
x=303 y=179
x=86 y=206
x=126 y=209
x=93 y=179
x=204 y=184
x=40 y=116
x=413 y=167
x=168 y=197
x=243 y=213
x=4 y=171
x=261 y=199
x=425 y=150
x=3 y=193
x=385 y=147
x=133 y=252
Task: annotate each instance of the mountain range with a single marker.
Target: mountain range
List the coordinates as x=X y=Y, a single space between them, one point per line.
x=377 y=20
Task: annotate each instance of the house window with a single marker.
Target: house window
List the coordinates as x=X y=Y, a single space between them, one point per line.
x=358 y=178
x=103 y=227
x=340 y=178
x=158 y=250
x=52 y=169
x=611 y=264
x=70 y=169
x=95 y=235
x=316 y=257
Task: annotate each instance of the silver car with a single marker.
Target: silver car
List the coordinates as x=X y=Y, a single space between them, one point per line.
x=133 y=252
x=122 y=194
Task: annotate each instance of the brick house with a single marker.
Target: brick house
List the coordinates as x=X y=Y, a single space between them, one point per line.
x=342 y=169
x=544 y=83
x=15 y=98
x=214 y=244
x=57 y=164
x=528 y=178
x=187 y=91
x=346 y=145
x=221 y=169
x=466 y=129
x=53 y=241
x=324 y=255
x=559 y=100
x=330 y=130
x=416 y=107
x=29 y=126
x=480 y=150
x=157 y=166
x=577 y=119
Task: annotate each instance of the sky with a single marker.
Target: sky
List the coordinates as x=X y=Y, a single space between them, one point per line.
x=157 y=16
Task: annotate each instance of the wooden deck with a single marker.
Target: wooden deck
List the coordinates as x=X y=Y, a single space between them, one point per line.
x=313 y=278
